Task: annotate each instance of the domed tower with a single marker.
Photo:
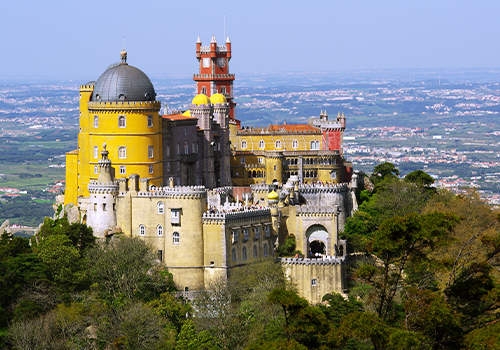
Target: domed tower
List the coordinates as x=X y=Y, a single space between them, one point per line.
x=101 y=209
x=121 y=110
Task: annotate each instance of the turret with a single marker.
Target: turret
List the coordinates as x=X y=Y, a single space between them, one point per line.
x=228 y=47
x=198 y=48
x=213 y=47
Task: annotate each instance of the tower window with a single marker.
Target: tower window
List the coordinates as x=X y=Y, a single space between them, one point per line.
x=277 y=144
x=168 y=166
x=122 y=170
x=159 y=230
x=150 y=121
x=204 y=90
x=96 y=121
x=295 y=144
x=242 y=160
x=150 y=169
x=150 y=151
x=262 y=144
x=265 y=250
x=176 y=238
x=122 y=152
x=244 y=253
x=243 y=145
x=96 y=152
x=122 y=121
x=223 y=90
x=193 y=147
x=314 y=145
x=234 y=254
x=161 y=208
x=260 y=160
x=96 y=169
x=314 y=282
x=255 y=251
x=142 y=230
x=174 y=216
x=186 y=147
x=178 y=149
x=168 y=151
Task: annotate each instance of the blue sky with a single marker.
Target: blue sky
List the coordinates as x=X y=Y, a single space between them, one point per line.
x=79 y=39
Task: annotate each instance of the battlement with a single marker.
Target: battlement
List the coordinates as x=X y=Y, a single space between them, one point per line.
x=317 y=210
x=241 y=213
x=177 y=192
x=87 y=88
x=329 y=188
x=262 y=187
x=103 y=187
x=156 y=105
x=268 y=131
x=206 y=49
x=326 y=260
x=213 y=76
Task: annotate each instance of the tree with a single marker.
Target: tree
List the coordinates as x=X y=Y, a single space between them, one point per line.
x=420 y=177
x=80 y=235
x=384 y=171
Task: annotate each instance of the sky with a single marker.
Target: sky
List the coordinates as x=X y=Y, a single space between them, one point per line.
x=70 y=39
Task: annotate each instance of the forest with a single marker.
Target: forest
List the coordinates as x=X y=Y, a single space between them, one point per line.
x=423 y=273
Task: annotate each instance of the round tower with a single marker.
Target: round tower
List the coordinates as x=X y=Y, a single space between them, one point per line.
x=101 y=210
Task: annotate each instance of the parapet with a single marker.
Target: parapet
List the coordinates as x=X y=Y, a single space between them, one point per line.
x=103 y=187
x=318 y=210
x=326 y=260
x=125 y=105
x=175 y=192
x=329 y=188
x=262 y=187
x=243 y=213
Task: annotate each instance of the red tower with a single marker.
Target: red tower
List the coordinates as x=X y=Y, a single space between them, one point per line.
x=214 y=74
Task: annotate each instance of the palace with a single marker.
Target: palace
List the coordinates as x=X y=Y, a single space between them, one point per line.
x=208 y=194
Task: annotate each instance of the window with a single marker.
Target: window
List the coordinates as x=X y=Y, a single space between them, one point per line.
x=178 y=166
x=161 y=208
x=204 y=90
x=314 y=282
x=150 y=121
x=176 y=238
x=160 y=255
x=150 y=169
x=275 y=168
x=223 y=90
x=142 y=230
x=242 y=160
x=122 y=121
x=295 y=144
x=267 y=231
x=234 y=236
x=277 y=144
x=95 y=206
x=186 y=148
x=168 y=166
x=122 y=170
x=168 y=151
x=178 y=149
x=193 y=147
x=256 y=231
x=159 y=230
x=314 y=145
x=244 y=253
x=96 y=152
x=265 y=249
x=261 y=160
x=262 y=144
x=103 y=206
x=245 y=233
x=185 y=131
x=234 y=254
x=150 y=151
x=96 y=169
x=174 y=216
x=96 y=121
x=333 y=175
x=122 y=152
x=243 y=145
x=255 y=252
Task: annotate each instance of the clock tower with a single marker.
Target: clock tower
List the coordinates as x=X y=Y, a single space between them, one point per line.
x=214 y=77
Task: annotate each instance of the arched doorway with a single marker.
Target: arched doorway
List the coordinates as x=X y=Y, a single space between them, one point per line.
x=317 y=239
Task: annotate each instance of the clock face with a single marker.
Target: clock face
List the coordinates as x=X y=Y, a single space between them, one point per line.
x=206 y=62
x=221 y=62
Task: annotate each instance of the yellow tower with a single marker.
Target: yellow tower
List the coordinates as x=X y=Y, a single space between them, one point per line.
x=121 y=110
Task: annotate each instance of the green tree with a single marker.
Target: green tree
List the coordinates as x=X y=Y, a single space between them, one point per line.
x=420 y=177
x=384 y=171
x=188 y=339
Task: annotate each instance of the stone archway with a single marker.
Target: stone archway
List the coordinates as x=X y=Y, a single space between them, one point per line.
x=317 y=240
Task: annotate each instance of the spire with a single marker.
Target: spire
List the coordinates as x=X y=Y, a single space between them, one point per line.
x=199 y=40
x=227 y=40
x=213 y=40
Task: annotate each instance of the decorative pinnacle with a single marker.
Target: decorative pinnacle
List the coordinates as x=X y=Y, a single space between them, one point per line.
x=213 y=40
x=104 y=153
x=199 y=40
x=123 y=55
x=227 y=40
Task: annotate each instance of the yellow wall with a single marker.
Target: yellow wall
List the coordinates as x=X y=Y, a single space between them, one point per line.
x=70 y=193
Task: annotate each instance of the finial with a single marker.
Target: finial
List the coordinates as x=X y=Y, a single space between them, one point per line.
x=123 y=54
x=104 y=146
x=321 y=113
x=213 y=39
x=227 y=40
x=326 y=114
x=199 y=40
x=104 y=153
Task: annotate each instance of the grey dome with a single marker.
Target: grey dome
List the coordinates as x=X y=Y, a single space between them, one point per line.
x=121 y=82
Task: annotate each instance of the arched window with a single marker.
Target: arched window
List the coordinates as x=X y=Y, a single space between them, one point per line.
x=142 y=230
x=122 y=121
x=122 y=152
x=259 y=174
x=178 y=149
x=262 y=144
x=223 y=90
x=193 y=147
x=234 y=254
x=168 y=151
x=244 y=253
x=254 y=173
x=277 y=144
x=176 y=237
x=295 y=144
x=186 y=147
x=204 y=90
x=255 y=252
x=96 y=121
x=265 y=247
x=159 y=230
x=161 y=208
x=150 y=151
x=96 y=152
x=150 y=121
x=243 y=145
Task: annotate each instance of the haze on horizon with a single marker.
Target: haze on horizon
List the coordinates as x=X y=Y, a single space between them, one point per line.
x=67 y=39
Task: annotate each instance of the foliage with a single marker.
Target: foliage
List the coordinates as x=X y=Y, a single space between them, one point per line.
x=288 y=249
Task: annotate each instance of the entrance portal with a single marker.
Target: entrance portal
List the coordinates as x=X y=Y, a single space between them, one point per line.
x=317 y=249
